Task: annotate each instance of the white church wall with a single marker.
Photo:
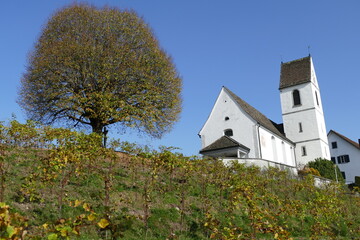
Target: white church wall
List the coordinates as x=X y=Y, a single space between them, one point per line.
x=351 y=168
x=238 y=121
x=261 y=163
x=275 y=149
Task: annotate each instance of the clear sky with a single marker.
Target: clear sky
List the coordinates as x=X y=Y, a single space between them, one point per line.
x=236 y=43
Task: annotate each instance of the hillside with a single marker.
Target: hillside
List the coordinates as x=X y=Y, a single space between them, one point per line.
x=58 y=184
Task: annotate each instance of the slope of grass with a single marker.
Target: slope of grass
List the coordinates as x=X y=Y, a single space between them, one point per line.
x=77 y=190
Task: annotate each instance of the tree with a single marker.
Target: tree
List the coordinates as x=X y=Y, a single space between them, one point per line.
x=96 y=67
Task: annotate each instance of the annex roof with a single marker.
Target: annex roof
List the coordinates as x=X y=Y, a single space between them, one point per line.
x=355 y=144
x=258 y=116
x=295 y=72
x=223 y=143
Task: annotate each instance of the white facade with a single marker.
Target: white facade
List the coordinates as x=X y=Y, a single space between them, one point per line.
x=340 y=147
x=243 y=127
x=228 y=114
x=276 y=149
x=304 y=123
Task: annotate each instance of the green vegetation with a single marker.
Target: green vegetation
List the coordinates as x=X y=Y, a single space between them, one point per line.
x=59 y=184
x=327 y=169
x=101 y=66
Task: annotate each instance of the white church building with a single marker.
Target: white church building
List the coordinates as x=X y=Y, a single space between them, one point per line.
x=236 y=130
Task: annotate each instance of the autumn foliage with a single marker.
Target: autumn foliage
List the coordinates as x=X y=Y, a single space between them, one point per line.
x=60 y=184
x=100 y=66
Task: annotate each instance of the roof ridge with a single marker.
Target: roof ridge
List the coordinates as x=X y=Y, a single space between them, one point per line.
x=220 y=144
x=231 y=139
x=355 y=144
x=256 y=114
x=296 y=60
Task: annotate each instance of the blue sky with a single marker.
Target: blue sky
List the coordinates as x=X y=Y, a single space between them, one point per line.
x=236 y=43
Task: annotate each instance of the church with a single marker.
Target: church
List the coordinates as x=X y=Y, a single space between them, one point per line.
x=236 y=130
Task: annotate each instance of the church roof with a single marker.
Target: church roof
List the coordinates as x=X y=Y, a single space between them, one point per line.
x=222 y=143
x=295 y=72
x=258 y=116
x=355 y=144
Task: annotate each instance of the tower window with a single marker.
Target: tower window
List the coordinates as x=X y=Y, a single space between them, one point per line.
x=303 y=151
x=300 y=127
x=317 y=99
x=334 y=145
x=296 y=97
x=228 y=132
x=227 y=118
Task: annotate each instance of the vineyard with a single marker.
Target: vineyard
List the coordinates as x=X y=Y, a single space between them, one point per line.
x=61 y=184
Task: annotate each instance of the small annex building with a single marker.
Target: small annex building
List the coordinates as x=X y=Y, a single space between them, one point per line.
x=345 y=153
x=236 y=130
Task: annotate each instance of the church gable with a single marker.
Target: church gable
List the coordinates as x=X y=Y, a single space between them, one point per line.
x=228 y=118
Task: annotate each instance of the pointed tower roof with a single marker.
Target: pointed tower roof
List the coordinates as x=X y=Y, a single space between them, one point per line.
x=295 y=72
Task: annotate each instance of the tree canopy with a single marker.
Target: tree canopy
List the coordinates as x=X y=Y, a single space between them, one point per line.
x=100 y=66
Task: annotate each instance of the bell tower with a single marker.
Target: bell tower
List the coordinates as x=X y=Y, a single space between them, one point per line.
x=302 y=111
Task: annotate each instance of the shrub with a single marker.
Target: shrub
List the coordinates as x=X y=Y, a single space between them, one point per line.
x=307 y=170
x=326 y=169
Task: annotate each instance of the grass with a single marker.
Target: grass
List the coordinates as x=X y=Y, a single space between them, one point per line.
x=169 y=196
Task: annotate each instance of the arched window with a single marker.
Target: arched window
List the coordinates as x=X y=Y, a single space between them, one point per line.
x=296 y=97
x=228 y=132
x=274 y=149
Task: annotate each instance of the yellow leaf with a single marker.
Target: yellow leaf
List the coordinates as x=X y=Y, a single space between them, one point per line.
x=77 y=203
x=91 y=217
x=86 y=207
x=103 y=223
x=45 y=225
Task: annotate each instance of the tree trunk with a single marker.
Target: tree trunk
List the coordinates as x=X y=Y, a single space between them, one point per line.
x=96 y=125
x=99 y=128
